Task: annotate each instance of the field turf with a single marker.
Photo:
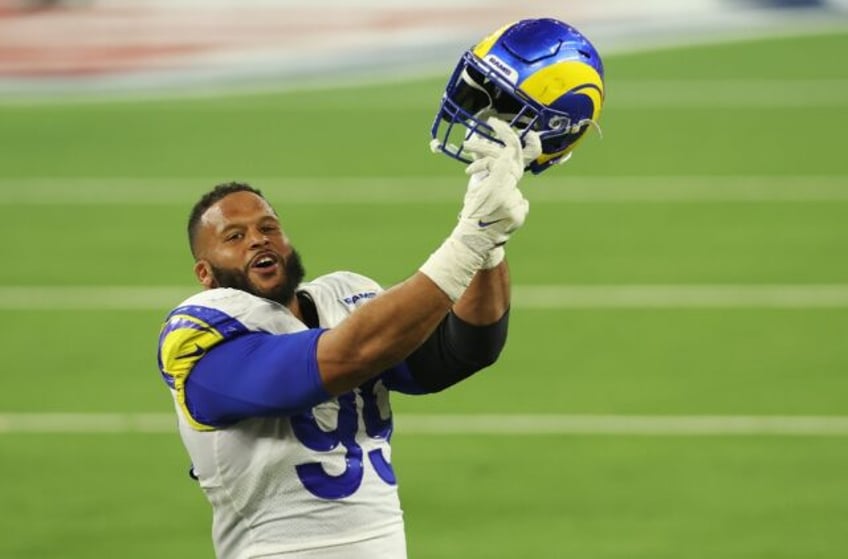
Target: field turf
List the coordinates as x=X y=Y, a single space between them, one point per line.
x=720 y=165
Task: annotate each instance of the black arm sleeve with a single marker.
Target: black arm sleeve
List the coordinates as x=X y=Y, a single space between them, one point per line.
x=455 y=351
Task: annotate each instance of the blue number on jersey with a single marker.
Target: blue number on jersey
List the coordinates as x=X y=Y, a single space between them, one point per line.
x=377 y=428
x=313 y=476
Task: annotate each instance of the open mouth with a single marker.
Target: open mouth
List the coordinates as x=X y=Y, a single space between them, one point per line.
x=265 y=262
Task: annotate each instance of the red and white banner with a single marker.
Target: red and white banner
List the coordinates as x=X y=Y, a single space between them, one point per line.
x=122 y=44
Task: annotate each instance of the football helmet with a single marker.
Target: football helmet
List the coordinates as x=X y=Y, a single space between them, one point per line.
x=536 y=74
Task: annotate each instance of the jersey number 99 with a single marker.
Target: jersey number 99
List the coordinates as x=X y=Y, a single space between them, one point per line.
x=313 y=475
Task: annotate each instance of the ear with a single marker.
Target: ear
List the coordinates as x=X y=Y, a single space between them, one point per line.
x=204 y=274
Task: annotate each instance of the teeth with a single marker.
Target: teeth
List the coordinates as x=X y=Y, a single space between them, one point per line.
x=265 y=261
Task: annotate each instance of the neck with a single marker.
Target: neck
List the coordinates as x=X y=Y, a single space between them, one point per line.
x=294 y=307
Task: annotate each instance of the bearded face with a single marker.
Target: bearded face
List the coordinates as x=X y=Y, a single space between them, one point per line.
x=240 y=244
x=282 y=290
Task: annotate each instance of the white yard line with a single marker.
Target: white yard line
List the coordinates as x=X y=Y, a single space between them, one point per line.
x=729 y=93
x=622 y=425
x=544 y=297
x=464 y=424
x=626 y=94
x=633 y=94
x=427 y=190
x=680 y=296
x=103 y=298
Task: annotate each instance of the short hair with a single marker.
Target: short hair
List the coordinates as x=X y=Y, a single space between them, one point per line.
x=208 y=200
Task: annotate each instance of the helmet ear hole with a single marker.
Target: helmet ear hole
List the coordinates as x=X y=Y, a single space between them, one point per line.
x=559 y=122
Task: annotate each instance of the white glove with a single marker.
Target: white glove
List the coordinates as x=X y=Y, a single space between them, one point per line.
x=493 y=208
x=481 y=147
x=493 y=205
x=505 y=165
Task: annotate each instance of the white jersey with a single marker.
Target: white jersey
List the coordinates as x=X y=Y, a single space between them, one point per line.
x=291 y=486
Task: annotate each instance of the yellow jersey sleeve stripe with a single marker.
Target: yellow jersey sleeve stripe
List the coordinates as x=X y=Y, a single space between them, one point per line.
x=187 y=335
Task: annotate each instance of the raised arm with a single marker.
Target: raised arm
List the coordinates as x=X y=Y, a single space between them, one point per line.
x=222 y=373
x=472 y=336
x=487 y=298
x=388 y=329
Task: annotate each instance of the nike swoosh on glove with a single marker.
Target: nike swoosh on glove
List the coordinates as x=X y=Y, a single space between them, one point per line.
x=494 y=207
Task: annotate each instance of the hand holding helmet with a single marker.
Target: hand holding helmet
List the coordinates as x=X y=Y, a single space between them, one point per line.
x=503 y=165
x=493 y=209
x=494 y=206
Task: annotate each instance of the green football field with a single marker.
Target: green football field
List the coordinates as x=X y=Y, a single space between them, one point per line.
x=676 y=379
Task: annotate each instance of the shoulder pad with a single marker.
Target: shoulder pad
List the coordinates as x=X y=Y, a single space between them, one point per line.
x=188 y=333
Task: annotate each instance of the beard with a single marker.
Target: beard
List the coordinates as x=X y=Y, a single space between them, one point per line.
x=283 y=293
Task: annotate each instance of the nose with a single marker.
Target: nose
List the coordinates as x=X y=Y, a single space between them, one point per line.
x=258 y=238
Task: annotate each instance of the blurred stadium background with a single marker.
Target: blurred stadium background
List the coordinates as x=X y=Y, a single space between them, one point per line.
x=675 y=383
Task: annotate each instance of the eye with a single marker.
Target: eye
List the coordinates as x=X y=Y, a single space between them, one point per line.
x=234 y=236
x=269 y=228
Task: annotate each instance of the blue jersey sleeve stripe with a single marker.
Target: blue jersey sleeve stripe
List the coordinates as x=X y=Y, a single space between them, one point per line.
x=206 y=318
x=169 y=380
x=256 y=375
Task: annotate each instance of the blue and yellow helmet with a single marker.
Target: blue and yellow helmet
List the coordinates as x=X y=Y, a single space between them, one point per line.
x=536 y=74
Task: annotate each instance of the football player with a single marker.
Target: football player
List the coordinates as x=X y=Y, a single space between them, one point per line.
x=282 y=387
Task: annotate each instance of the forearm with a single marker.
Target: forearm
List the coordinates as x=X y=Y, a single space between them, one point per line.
x=386 y=330
x=487 y=298
x=381 y=333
